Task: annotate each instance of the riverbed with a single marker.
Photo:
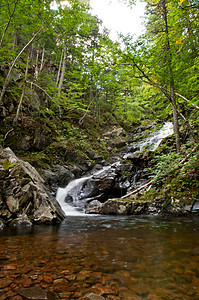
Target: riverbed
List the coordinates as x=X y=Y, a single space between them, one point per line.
x=117 y=257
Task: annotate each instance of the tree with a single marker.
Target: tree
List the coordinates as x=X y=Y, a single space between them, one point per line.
x=156 y=59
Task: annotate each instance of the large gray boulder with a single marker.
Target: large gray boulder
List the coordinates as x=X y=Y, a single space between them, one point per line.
x=24 y=199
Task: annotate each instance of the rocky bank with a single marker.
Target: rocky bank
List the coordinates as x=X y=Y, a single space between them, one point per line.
x=24 y=199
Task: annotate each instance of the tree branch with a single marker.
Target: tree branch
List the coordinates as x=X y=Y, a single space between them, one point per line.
x=32 y=83
x=155 y=178
x=7 y=80
x=6 y=28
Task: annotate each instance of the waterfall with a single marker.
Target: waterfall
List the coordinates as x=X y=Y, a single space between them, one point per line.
x=155 y=138
x=97 y=185
x=69 y=209
x=69 y=196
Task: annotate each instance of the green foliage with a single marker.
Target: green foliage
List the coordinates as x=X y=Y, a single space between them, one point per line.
x=178 y=172
x=7 y=165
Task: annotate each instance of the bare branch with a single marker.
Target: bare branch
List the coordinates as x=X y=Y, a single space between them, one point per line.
x=6 y=28
x=13 y=63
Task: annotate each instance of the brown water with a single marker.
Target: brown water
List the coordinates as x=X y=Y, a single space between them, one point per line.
x=116 y=257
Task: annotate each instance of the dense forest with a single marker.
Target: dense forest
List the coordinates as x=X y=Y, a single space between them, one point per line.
x=64 y=82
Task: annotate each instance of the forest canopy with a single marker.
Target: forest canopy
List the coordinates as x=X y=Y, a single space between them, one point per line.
x=63 y=53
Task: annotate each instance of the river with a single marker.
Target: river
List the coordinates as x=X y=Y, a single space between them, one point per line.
x=124 y=257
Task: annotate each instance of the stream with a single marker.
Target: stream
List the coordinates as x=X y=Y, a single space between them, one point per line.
x=115 y=257
x=106 y=182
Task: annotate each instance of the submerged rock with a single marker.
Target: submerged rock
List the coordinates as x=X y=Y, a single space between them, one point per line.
x=93 y=296
x=24 y=197
x=36 y=293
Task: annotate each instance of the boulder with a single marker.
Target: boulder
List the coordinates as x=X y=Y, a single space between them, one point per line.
x=23 y=195
x=114 y=133
x=195 y=207
x=118 y=206
x=58 y=176
x=93 y=207
x=114 y=207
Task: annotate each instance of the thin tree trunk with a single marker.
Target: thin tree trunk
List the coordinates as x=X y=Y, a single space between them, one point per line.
x=63 y=69
x=59 y=70
x=7 y=80
x=171 y=77
x=6 y=28
x=36 y=66
x=42 y=60
x=23 y=91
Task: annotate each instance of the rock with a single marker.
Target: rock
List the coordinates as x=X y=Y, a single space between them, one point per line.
x=93 y=296
x=4 y=283
x=33 y=293
x=119 y=143
x=21 y=220
x=58 y=176
x=134 y=157
x=94 y=156
x=195 y=207
x=24 y=197
x=94 y=187
x=70 y=155
x=1 y=224
x=93 y=207
x=139 y=208
x=114 y=207
x=114 y=133
x=187 y=208
x=2 y=172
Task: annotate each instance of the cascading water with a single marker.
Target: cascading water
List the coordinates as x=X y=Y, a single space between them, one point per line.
x=155 y=139
x=79 y=192
x=69 y=208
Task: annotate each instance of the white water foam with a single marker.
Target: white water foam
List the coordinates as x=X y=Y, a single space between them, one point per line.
x=69 y=209
x=154 y=141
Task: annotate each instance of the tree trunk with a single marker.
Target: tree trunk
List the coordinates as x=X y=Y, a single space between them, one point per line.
x=171 y=78
x=36 y=66
x=61 y=80
x=59 y=70
x=42 y=60
x=23 y=91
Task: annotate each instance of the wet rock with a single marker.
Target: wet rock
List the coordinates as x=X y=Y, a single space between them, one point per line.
x=21 y=220
x=1 y=224
x=94 y=187
x=4 y=283
x=93 y=207
x=59 y=176
x=33 y=293
x=114 y=207
x=134 y=157
x=195 y=207
x=24 y=196
x=93 y=296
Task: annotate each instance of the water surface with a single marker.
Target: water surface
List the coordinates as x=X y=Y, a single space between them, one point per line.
x=116 y=257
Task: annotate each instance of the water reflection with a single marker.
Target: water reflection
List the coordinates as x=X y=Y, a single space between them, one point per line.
x=117 y=257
